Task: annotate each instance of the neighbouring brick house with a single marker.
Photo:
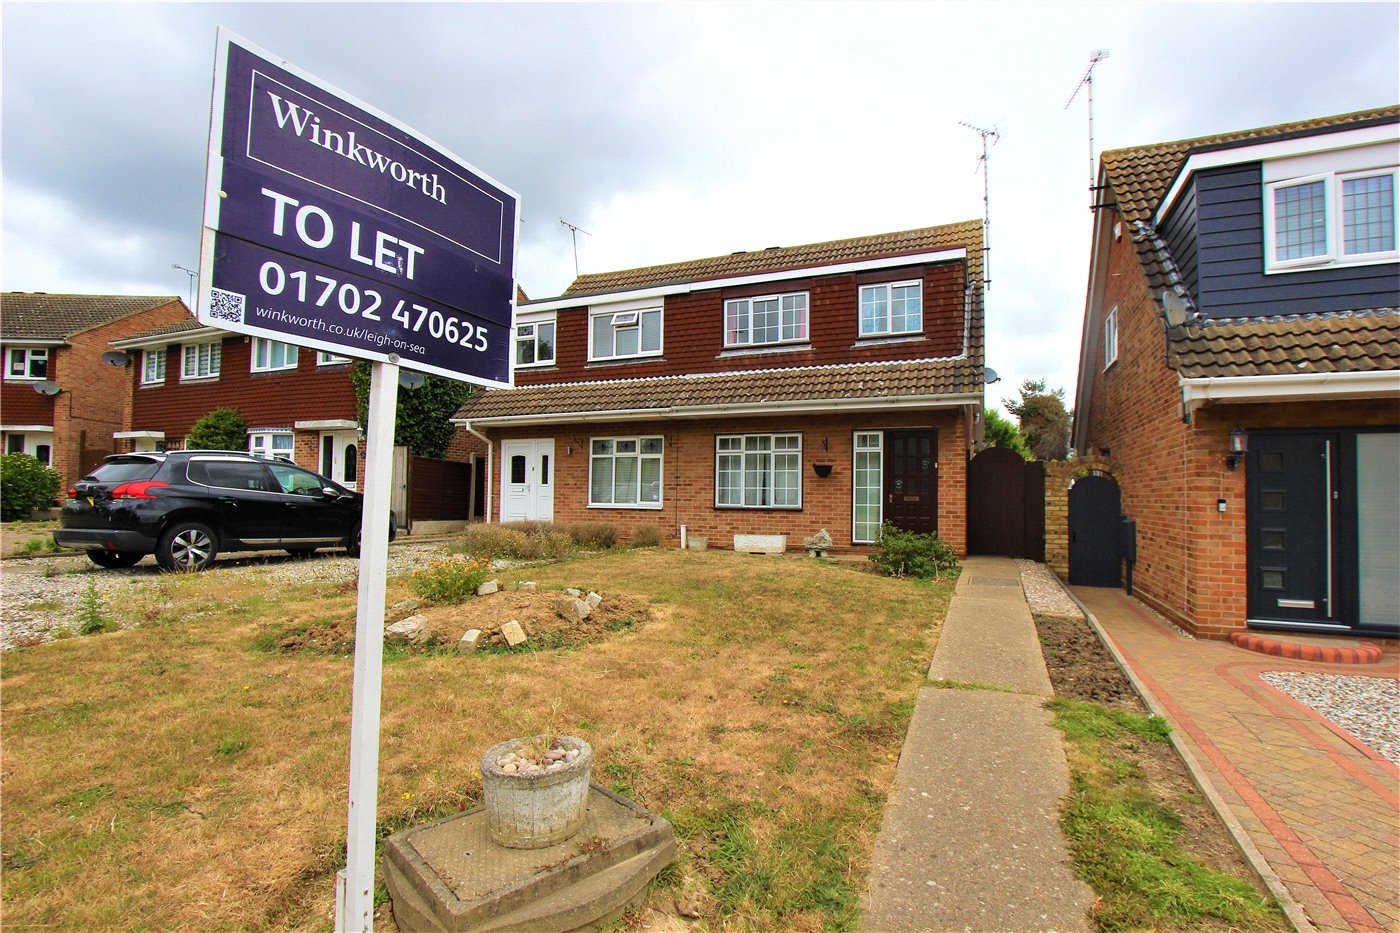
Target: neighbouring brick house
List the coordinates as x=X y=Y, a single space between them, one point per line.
x=60 y=339
x=1239 y=373
x=299 y=404
x=773 y=392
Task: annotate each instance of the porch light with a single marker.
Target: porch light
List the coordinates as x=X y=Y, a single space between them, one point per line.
x=1239 y=446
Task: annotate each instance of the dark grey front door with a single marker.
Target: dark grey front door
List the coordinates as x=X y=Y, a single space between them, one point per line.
x=1291 y=497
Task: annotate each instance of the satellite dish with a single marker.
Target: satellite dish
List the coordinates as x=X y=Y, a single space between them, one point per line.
x=115 y=358
x=47 y=388
x=1174 y=307
x=989 y=376
x=411 y=379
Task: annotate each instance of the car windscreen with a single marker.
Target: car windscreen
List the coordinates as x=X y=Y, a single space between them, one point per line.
x=124 y=471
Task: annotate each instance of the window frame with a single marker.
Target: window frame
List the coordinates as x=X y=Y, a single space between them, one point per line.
x=742 y=452
x=331 y=359
x=535 y=322
x=157 y=356
x=639 y=456
x=30 y=355
x=889 y=287
x=779 y=297
x=273 y=453
x=1110 y=337
x=1334 y=254
x=635 y=322
x=215 y=360
x=879 y=452
x=289 y=356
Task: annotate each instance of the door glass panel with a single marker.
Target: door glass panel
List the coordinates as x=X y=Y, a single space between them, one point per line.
x=517 y=468
x=328 y=456
x=1273 y=579
x=1271 y=500
x=1378 y=527
x=544 y=470
x=1272 y=461
x=352 y=462
x=1272 y=539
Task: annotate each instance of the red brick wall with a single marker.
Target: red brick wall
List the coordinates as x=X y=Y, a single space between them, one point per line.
x=688 y=485
x=20 y=404
x=693 y=330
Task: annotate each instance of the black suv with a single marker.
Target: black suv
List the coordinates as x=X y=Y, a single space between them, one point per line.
x=187 y=506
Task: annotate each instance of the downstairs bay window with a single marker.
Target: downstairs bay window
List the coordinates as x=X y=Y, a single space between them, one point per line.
x=758 y=471
x=625 y=472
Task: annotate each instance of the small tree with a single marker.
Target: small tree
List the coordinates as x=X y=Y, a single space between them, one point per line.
x=25 y=485
x=422 y=421
x=221 y=429
x=1043 y=419
x=1001 y=432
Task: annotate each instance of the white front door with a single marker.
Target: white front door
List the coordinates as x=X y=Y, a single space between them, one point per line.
x=340 y=457
x=527 y=480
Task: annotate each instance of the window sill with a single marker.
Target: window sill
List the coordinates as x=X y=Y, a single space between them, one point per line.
x=764 y=350
x=272 y=372
x=883 y=340
x=1322 y=263
x=197 y=379
x=649 y=507
x=623 y=361
x=152 y=385
x=537 y=367
x=758 y=508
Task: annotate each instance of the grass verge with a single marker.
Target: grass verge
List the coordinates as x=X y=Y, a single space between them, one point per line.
x=1124 y=838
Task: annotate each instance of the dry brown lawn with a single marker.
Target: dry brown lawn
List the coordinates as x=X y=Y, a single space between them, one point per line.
x=190 y=773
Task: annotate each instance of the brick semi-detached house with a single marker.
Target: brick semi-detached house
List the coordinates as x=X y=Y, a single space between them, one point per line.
x=772 y=392
x=1240 y=373
x=61 y=339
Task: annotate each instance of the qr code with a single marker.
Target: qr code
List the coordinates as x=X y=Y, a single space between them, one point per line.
x=226 y=306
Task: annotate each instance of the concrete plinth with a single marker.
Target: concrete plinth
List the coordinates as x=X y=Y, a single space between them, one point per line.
x=449 y=876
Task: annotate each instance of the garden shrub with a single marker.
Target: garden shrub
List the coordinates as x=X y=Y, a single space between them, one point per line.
x=221 y=429
x=907 y=554
x=646 y=536
x=451 y=580
x=509 y=540
x=25 y=485
x=596 y=536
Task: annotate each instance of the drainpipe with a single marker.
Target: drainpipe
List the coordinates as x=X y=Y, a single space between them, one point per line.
x=490 y=452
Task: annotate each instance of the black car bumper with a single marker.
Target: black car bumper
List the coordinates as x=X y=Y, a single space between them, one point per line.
x=105 y=539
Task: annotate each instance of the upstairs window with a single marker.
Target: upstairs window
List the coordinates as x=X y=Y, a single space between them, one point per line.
x=271 y=356
x=769 y=319
x=1110 y=337
x=330 y=359
x=534 y=342
x=622 y=334
x=152 y=366
x=26 y=362
x=891 y=308
x=1330 y=220
x=201 y=360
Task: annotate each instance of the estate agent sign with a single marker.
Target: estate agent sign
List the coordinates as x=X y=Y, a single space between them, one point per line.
x=330 y=225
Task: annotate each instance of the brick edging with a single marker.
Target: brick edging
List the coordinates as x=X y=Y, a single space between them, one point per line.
x=1364 y=653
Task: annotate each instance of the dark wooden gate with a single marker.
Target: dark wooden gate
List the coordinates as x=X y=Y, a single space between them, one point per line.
x=1095 y=507
x=439 y=490
x=1006 y=505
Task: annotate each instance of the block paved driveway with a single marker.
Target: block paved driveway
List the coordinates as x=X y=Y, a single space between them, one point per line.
x=1319 y=807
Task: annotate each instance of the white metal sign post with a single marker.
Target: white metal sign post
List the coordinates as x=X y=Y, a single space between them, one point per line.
x=329 y=224
x=354 y=901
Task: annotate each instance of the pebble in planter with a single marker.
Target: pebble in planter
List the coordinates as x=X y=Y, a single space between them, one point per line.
x=536 y=794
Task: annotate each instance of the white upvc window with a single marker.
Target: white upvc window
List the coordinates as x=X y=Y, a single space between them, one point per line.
x=867 y=493
x=617 y=335
x=1110 y=337
x=201 y=360
x=534 y=342
x=765 y=319
x=26 y=363
x=758 y=471
x=152 y=367
x=330 y=359
x=625 y=472
x=1334 y=219
x=272 y=355
x=274 y=445
x=892 y=308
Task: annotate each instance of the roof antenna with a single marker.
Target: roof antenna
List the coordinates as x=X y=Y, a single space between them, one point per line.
x=985 y=164
x=192 y=274
x=574 y=231
x=1087 y=80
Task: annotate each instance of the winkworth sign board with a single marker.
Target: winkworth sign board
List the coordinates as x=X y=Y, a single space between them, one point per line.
x=328 y=224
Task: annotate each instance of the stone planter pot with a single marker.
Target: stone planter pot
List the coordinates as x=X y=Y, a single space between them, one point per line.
x=697 y=542
x=534 y=809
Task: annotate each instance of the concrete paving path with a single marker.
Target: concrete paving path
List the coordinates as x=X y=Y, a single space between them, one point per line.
x=971 y=837
x=1317 y=811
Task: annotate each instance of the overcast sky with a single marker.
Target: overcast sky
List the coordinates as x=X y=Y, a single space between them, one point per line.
x=676 y=131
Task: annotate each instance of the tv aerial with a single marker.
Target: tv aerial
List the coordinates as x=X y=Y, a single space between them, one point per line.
x=984 y=162
x=1086 y=80
x=574 y=231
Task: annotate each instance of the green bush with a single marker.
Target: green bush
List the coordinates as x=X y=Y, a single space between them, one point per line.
x=646 y=536
x=452 y=580
x=25 y=485
x=221 y=429
x=511 y=541
x=907 y=554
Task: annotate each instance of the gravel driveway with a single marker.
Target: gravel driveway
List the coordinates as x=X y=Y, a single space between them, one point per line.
x=42 y=595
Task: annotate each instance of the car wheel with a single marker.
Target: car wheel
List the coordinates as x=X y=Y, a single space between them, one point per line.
x=300 y=551
x=352 y=541
x=187 y=546
x=114 y=560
